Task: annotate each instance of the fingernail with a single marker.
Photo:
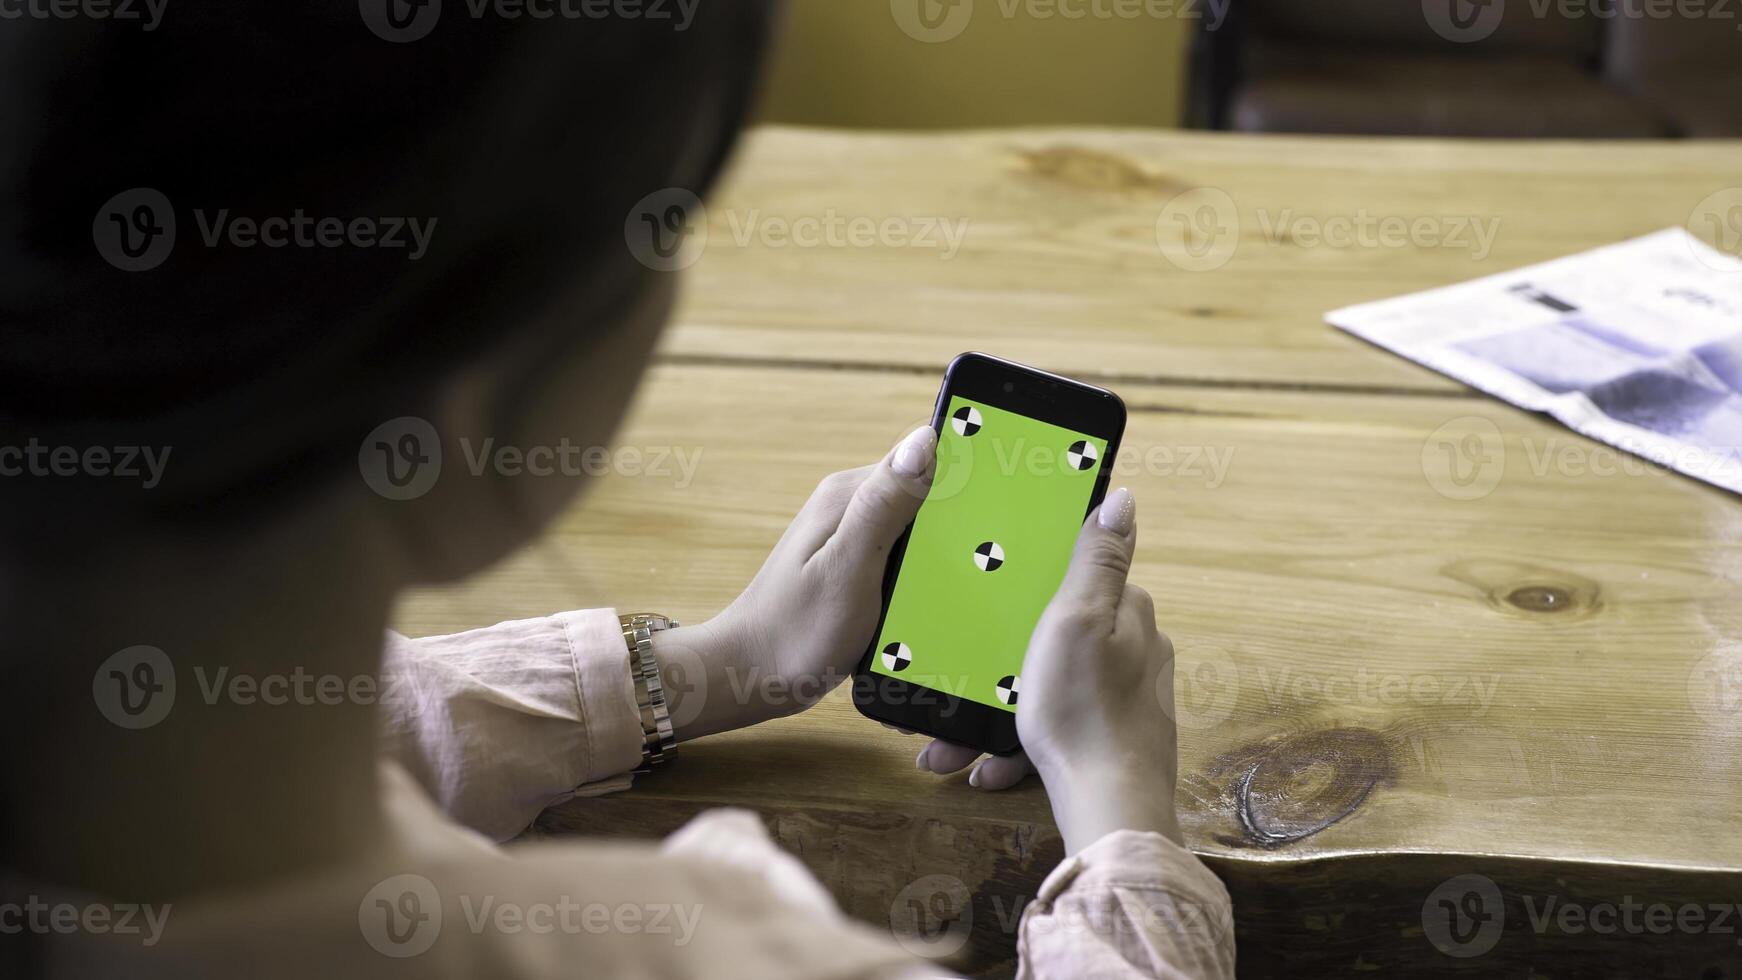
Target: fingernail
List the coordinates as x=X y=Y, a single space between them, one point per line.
x=915 y=451
x=919 y=761
x=974 y=775
x=1119 y=512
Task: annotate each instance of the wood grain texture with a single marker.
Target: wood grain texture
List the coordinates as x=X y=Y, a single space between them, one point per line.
x=1380 y=686
x=1060 y=264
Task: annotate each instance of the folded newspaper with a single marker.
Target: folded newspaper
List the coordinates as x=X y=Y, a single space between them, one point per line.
x=1637 y=344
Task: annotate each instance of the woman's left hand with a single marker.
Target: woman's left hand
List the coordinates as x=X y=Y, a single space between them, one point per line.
x=807 y=617
x=995 y=772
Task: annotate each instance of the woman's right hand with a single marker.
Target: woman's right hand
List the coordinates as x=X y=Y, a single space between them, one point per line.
x=1096 y=718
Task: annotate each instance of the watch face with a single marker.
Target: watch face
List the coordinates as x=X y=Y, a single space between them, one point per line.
x=654 y=622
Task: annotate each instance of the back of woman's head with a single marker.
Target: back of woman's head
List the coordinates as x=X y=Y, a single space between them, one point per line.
x=246 y=233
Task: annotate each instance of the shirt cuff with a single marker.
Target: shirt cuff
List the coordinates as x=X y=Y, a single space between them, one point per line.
x=1152 y=880
x=606 y=693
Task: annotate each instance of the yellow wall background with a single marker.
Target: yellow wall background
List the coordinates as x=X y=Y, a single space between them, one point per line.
x=1005 y=63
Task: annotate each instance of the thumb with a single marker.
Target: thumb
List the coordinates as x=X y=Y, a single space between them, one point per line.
x=886 y=502
x=1102 y=560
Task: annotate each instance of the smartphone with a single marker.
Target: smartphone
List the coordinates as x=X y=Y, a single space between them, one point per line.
x=1023 y=457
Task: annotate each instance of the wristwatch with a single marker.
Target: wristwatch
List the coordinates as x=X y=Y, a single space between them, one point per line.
x=658 y=739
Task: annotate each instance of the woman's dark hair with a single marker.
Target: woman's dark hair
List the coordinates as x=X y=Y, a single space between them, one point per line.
x=519 y=143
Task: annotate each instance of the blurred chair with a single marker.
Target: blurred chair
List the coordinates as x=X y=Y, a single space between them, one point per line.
x=1380 y=67
x=850 y=63
x=1688 y=72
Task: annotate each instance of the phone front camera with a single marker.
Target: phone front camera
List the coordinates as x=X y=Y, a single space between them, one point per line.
x=1009 y=386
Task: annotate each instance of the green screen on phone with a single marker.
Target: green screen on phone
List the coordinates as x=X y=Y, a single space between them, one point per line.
x=988 y=550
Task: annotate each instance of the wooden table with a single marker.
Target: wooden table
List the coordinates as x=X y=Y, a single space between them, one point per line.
x=1382 y=687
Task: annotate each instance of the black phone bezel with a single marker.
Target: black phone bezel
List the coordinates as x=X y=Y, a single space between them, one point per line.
x=1037 y=394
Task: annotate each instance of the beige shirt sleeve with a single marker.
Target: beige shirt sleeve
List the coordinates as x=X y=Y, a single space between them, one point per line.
x=1129 y=905
x=498 y=723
